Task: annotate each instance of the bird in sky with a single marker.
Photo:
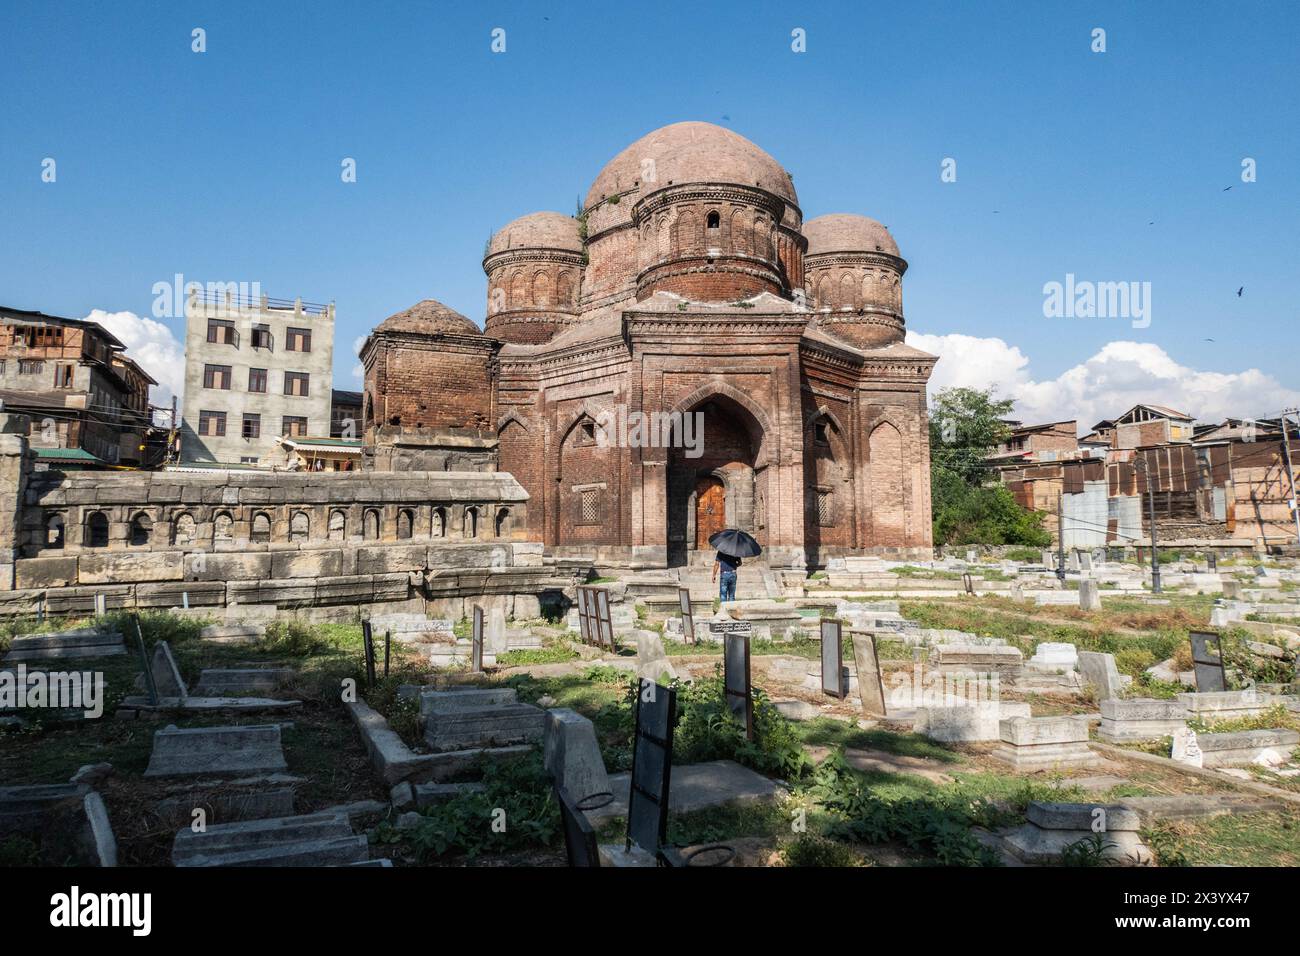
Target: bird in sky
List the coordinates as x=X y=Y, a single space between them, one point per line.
x=1240 y=291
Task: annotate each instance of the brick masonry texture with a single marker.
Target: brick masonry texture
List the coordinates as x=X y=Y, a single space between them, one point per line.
x=687 y=286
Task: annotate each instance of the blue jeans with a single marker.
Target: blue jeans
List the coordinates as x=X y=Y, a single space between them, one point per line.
x=727 y=586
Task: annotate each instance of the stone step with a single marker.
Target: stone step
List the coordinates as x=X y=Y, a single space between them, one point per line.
x=216 y=750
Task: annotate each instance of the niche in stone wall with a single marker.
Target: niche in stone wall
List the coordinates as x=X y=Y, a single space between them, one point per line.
x=184 y=530
x=299 y=526
x=261 y=533
x=338 y=528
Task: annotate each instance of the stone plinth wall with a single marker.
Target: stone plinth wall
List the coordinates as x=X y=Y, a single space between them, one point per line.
x=149 y=539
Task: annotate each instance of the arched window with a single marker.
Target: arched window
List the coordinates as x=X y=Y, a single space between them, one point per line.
x=141 y=529
x=338 y=525
x=713 y=221
x=469 y=526
x=503 y=522
x=261 y=528
x=54 y=532
x=184 y=530
x=97 y=530
x=370 y=525
x=439 y=523
x=299 y=526
x=223 y=529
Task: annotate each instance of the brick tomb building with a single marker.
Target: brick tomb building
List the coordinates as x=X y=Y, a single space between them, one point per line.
x=692 y=292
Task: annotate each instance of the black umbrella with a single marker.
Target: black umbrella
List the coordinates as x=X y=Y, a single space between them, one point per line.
x=736 y=543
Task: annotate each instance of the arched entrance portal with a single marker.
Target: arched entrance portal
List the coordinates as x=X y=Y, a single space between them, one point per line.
x=718 y=480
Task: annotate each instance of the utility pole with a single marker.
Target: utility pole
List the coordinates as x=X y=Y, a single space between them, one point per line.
x=1141 y=465
x=1286 y=456
x=1060 y=537
x=171 y=436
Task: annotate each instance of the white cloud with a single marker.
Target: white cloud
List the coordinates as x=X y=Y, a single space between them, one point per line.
x=359 y=370
x=153 y=346
x=1107 y=384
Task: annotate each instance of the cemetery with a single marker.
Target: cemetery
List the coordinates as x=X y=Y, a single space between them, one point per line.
x=881 y=713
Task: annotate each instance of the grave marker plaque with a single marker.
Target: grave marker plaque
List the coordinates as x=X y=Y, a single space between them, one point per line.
x=476 y=641
x=1207 y=660
x=1212 y=562
x=832 y=656
x=604 y=623
x=584 y=615
x=871 y=691
x=968 y=583
x=652 y=752
x=736 y=680
x=688 y=619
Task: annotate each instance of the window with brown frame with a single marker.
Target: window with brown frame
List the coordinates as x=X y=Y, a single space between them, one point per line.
x=222 y=333
x=216 y=376
x=296 y=383
x=212 y=424
x=294 y=426
x=297 y=340
x=252 y=425
x=257 y=380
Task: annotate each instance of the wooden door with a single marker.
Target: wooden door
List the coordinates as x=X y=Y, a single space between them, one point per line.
x=710 y=509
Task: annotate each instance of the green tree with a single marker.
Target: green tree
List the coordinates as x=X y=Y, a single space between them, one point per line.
x=969 y=507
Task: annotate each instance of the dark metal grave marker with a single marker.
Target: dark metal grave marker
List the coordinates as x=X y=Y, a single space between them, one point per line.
x=968 y=583
x=832 y=658
x=584 y=615
x=388 y=651
x=688 y=619
x=736 y=680
x=1212 y=562
x=579 y=836
x=146 y=665
x=652 y=760
x=604 y=622
x=1207 y=660
x=368 y=642
x=476 y=642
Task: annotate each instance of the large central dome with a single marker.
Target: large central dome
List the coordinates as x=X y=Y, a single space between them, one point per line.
x=691 y=153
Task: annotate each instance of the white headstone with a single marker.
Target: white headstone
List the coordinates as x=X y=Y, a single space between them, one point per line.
x=1186 y=749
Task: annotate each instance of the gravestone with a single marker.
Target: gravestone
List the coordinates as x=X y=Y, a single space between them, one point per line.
x=368 y=646
x=832 y=658
x=580 y=847
x=167 y=678
x=1212 y=561
x=1089 y=595
x=1085 y=560
x=688 y=618
x=736 y=680
x=871 y=691
x=1207 y=661
x=652 y=751
x=1041 y=743
x=1099 y=670
x=1186 y=750
x=225 y=751
x=651 y=660
x=1049 y=560
x=971 y=556
x=495 y=640
x=476 y=641
x=1072 y=562
x=1054 y=656
x=1232 y=590
x=571 y=754
x=968 y=583
x=1138 y=719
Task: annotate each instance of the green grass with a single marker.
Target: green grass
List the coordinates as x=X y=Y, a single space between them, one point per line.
x=1256 y=839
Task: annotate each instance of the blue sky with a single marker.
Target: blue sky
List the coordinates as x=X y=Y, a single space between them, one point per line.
x=225 y=165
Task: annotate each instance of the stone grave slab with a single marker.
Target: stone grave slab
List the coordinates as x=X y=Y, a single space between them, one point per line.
x=1052 y=827
x=166 y=675
x=1045 y=743
x=65 y=645
x=1099 y=671
x=571 y=753
x=1140 y=719
x=216 y=751
x=223 y=681
x=322 y=839
x=697 y=787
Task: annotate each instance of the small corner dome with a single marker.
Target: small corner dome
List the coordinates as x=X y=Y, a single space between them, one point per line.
x=429 y=317
x=845 y=232
x=538 y=230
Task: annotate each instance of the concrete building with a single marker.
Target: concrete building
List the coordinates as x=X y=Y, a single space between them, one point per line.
x=1146 y=425
x=689 y=288
x=87 y=402
x=255 y=370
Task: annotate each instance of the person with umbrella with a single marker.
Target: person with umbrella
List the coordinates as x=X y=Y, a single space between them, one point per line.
x=732 y=546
